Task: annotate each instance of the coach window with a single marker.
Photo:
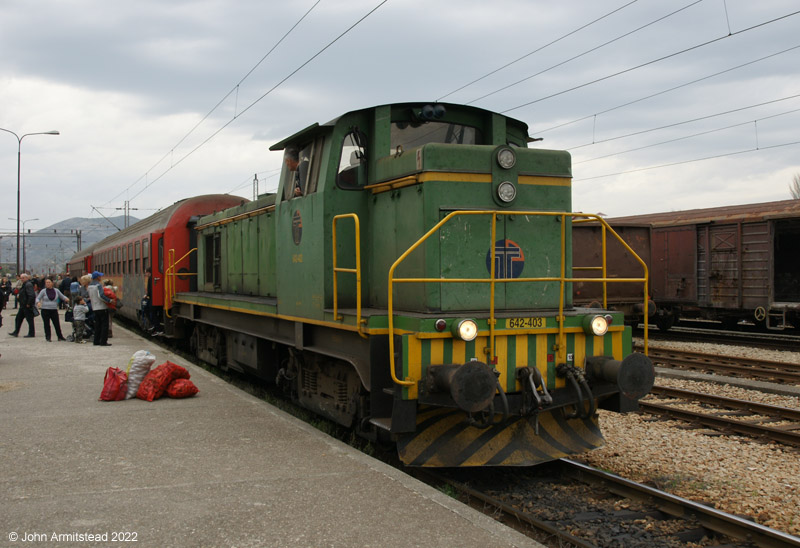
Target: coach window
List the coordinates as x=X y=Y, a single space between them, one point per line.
x=130 y=258
x=136 y=257
x=145 y=254
x=352 y=160
x=124 y=257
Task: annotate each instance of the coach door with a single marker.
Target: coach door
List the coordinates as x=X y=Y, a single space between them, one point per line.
x=158 y=266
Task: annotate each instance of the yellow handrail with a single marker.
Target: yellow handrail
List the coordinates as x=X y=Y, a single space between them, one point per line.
x=356 y=271
x=169 y=278
x=562 y=279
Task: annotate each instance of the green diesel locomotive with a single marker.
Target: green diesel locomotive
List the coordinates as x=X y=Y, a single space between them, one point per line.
x=412 y=279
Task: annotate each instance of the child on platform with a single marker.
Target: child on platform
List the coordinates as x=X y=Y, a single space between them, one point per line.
x=79 y=312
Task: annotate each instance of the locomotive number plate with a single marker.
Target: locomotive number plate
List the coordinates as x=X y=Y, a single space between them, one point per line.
x=524 y=323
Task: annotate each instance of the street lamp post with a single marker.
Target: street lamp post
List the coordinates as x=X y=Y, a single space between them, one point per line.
x=19 y=163
x=24 y=249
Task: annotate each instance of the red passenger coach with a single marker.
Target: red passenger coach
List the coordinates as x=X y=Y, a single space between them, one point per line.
x=162 y=241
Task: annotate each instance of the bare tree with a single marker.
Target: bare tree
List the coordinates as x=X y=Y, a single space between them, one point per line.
x=794 y=187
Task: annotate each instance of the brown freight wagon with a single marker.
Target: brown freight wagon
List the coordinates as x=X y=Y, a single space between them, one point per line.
x=728 y=263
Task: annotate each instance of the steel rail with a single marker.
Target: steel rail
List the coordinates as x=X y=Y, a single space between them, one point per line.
x=785 y=413
x=711 y=518
x=744 y=367
x=770 y=340
x=522 y=517
x=769 y=433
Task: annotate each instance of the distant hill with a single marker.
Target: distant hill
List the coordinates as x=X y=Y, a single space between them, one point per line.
x=47 y=250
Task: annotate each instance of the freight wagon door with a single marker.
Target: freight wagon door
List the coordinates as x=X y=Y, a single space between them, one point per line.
x=673 y=270
x=718 y=264
x=787 y=262
x=754 y=265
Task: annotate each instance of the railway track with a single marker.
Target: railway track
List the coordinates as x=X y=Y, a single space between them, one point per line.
x=753 y=419
x=606 y=511
x=769 y=340
x=736 y=366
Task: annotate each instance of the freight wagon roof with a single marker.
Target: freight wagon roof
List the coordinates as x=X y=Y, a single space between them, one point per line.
x=726 y=214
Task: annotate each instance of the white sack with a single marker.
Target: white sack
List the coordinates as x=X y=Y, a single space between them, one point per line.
x=140 y=365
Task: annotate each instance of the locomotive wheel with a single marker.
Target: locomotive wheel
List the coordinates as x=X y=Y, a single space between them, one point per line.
x=665 y=321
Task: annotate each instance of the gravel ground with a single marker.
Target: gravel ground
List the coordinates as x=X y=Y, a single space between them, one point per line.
x=732 y=473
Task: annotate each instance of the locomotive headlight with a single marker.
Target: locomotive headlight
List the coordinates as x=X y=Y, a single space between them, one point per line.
x=466 y=330
x=506 y=158
x=595 y=325
x=506 y=191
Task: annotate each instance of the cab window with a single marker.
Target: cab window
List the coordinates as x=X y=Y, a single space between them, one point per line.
x=413 y=134
x=351 y=159
x=301 y=166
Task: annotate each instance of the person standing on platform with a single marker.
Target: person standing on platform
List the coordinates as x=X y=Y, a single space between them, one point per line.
x=99 y=309
x=63 y=286
x=5 y=288
x=51 y=298
x=74 y=289
x=27 y=300
x=110 y=292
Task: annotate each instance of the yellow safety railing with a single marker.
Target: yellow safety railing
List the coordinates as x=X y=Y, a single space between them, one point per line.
x=356 y=271
x=562 y=279
x=169 y=278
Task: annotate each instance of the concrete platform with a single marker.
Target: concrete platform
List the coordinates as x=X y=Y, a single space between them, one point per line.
x=219 y=469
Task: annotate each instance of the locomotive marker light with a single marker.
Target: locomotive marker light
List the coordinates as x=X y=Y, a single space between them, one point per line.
x=432 y=112
x=595 y=325
x=506 y=158
x=506 y=191
x=466 y=330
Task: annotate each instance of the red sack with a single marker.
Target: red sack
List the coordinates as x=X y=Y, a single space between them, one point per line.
x=157 y=380
x=181 y=388
x=115 y=385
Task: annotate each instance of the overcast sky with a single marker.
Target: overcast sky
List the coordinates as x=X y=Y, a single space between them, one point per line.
x=126 y=82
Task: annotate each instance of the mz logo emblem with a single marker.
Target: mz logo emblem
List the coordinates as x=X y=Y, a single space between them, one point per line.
x=508 y=259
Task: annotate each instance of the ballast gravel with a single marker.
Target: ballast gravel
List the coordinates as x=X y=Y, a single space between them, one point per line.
x=732 y=473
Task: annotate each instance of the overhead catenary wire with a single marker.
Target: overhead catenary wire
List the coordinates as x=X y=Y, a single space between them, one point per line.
x=537 y=50
x=685 y=137
x=662 y=92
x=221 y=101
x=259 y=99
x=672 y=164
x=651 y=62
x=586 y=52
x=684 y=122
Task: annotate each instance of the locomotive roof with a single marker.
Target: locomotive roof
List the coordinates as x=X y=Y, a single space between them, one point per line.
x=736 y=213
x=313 y=129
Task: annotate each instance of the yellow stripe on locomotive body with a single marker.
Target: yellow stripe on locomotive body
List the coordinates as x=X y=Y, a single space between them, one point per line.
x=421 y=350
